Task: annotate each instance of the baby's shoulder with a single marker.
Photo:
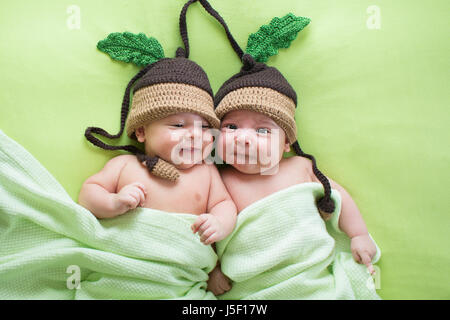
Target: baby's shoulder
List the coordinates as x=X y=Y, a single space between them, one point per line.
x=118 y=162
x=124 y=158
x=297 y=164
x=128 y=160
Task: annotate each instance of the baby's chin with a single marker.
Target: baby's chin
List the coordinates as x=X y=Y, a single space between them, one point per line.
x=248 y=168
x=185 y=166
x=245 y=169
x=252 y=167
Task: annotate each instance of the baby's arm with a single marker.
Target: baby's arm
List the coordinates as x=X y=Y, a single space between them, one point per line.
x=216 y=225
x=220 y=220
x=98 y=193
x=350 y=220
x=352 y=223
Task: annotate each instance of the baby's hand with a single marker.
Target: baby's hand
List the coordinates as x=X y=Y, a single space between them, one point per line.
x=218 y=283
x=209 y=228
x=363 y=251
x=129 y=197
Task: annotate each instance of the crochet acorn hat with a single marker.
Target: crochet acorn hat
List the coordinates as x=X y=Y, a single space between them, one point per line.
x=262 y=88
x=165 y=86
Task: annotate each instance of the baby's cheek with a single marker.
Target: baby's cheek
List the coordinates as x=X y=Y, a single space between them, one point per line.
x=169 y=144
x=270 y=151
x=264 y=145
x=207 y=137
x=174 y=137
x=222 y=145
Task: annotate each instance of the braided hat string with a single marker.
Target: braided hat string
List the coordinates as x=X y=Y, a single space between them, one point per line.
x=142 y=157
x=183 y=31
x=230 y=37
x=325 y=204
x=147 y=58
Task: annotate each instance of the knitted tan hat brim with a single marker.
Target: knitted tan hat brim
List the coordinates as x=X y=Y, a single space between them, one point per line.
x=161 y=100
x=273 y=104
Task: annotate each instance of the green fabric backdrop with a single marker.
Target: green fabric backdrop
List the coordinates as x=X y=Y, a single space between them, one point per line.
x=373 y=103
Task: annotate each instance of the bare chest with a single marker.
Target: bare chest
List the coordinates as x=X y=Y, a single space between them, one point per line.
x=247 y=189
x=188 y=195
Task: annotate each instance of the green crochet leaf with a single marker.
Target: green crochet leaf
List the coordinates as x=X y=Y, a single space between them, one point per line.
x=279 y=33
x=130 y=47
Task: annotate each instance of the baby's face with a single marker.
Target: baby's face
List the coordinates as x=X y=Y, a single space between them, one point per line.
x=182 y=139
x=251 y=142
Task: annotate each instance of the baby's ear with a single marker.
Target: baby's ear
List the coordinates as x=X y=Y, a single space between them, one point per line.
x=287 y=146
x=140 y=134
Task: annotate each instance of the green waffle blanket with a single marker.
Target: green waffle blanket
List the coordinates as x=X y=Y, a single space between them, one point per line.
x=53 y=248
x=282 y=249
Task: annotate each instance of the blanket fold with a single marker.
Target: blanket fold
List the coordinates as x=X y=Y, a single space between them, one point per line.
x=48 y=242
x=282 y=249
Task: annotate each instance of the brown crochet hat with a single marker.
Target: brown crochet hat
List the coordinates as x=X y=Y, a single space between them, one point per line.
x=264 y=89
x=260 y=88
x=166 y=86
x=172 y=85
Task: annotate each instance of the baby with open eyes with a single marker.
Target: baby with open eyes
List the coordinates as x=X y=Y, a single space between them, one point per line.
x=253 y=180
x=257 y=109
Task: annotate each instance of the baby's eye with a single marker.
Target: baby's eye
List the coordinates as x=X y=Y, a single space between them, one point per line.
x=263 y=130
x=231 y=126
x=178 y=125
x=206 y=126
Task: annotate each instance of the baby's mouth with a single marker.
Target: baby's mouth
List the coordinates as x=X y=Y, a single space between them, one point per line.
x=244 y=152
x=190 y=149
x=246 y=156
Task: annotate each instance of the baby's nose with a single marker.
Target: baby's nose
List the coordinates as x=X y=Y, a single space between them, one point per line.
x=193 y=133
x=244 y=136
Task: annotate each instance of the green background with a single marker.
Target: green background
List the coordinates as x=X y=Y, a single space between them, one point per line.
x=373 y=103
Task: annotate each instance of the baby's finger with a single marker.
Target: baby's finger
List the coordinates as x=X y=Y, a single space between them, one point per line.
x=356 y=256
x=202 y=229
x=367 y=261
x=371 y=269
x=211 y=239
x=205 y=235
x=140 y=186
x=135 y=193
x=130 y=202
x=205 y=226
x=141 y=196
x=200 y=220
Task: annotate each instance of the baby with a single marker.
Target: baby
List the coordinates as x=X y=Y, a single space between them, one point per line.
x=172 y=120
x=257 y=108
x=249 y=182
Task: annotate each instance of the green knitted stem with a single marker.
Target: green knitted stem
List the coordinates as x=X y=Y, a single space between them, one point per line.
x=130 y=47
x=279 y=33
